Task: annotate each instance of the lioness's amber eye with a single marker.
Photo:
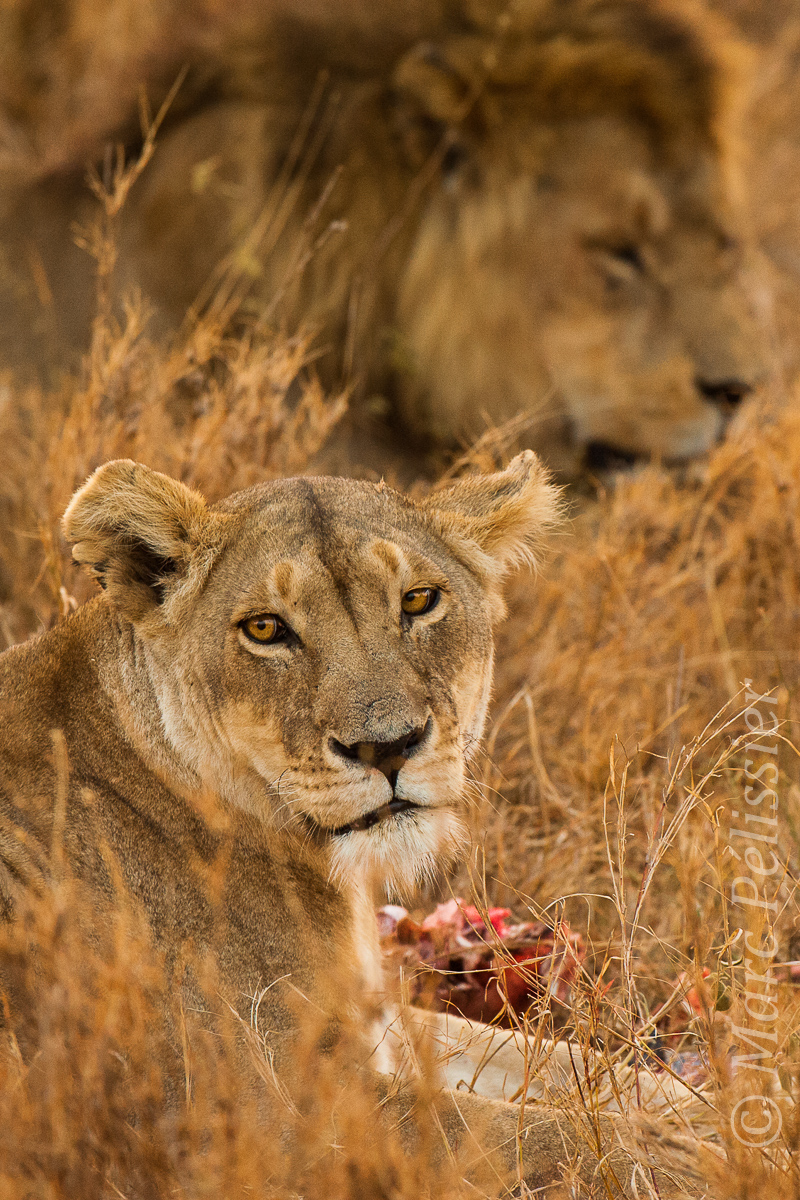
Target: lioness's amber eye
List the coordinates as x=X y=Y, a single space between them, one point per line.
x=264 y=628
x=420 y=600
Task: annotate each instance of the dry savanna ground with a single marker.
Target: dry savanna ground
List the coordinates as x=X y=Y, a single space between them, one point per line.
x=604 y=796
x=607 y=795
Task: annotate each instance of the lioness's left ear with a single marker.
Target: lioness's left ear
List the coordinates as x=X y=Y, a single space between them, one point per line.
x=138 y=532
x=506 y=514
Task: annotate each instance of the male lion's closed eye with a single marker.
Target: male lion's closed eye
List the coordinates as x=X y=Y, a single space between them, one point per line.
x=622 y=256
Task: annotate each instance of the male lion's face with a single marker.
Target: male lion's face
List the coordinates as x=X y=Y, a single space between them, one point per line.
x=574 y=261
x=320 y=650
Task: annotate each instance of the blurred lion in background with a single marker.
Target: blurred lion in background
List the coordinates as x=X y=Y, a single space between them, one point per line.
x=483 y=208
x=772 y=143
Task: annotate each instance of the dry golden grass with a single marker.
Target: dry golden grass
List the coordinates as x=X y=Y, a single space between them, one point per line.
x=615 y=765
x=604 y=793
x=614 y=759
x=95 y=1100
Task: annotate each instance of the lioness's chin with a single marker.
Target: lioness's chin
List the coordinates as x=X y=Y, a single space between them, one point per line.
x=402 y=853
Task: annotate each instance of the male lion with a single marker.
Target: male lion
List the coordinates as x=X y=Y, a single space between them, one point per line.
x=314 y=653
x=489 y=207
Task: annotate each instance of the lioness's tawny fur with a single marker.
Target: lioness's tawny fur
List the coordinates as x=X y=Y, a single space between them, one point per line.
x=316 y=656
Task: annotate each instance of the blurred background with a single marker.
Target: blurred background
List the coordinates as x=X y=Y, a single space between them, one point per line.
x=576 y=215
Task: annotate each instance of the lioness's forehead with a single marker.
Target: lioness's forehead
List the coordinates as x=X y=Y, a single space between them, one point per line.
x=326 y=542
x=324 y=506
x=331 y=521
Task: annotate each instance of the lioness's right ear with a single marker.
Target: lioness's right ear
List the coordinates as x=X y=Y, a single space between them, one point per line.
x=140 y=533
x=504 y=515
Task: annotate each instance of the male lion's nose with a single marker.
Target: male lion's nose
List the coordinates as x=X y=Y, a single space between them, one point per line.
x=725 y=392
x=387 y=757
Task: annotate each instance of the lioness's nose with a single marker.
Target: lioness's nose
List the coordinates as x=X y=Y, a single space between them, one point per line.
x=387 y=757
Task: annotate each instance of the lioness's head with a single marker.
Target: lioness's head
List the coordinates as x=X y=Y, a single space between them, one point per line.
x=319 y=650
x=581 y=251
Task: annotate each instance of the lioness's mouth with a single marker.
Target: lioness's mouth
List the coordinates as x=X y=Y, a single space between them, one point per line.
x=385 y=813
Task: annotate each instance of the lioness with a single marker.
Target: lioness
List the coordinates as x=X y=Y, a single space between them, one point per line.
x=315 y=653
x=491 y=207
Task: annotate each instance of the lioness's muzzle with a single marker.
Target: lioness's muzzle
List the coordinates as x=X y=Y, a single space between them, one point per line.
x=385 y=813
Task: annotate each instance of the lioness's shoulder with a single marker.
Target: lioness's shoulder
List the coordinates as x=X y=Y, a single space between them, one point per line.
x=42 y=679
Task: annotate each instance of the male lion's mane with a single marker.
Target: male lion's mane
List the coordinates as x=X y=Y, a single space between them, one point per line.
x=340 y=164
